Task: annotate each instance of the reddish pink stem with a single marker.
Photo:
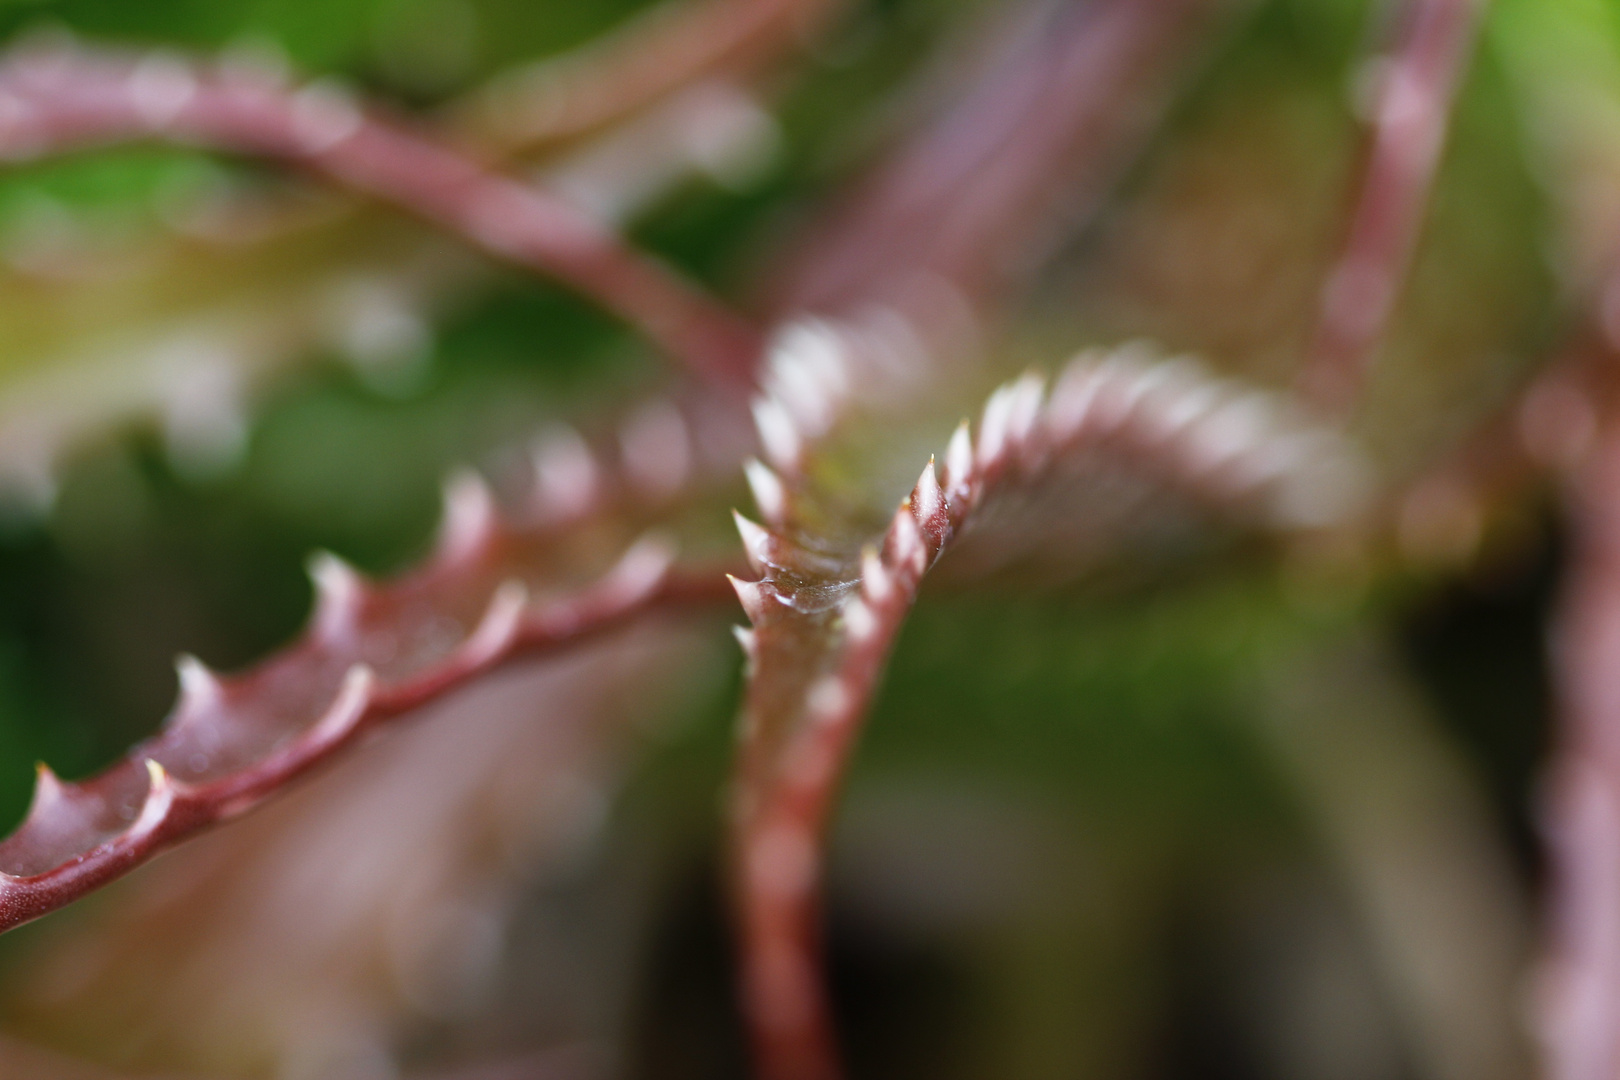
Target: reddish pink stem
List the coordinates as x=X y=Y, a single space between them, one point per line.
x=370 y=656
x=815 y=662
x=1059 y=107
x=60 y=98
x=1580 y=1006
x=786 y=800
x=1412 y=104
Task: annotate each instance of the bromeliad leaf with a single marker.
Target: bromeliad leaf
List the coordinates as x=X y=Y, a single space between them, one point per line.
x=491 y=590
x=830 y=601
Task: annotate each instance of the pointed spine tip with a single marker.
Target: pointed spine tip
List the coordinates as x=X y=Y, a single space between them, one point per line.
x=48 y=790
x=655 y=444
x=347 y=708
x=469 y=518
x=993 y=427
x=959 y=461
x=499 y=624
x=200 y=688
x=859 y=621
x=756 y=542
x=1024 y=408
x=927 y=499
x=751 y=594
x=566 y=476
x=778 y=433
x=1069 y=406
x=769 y=494
x=160 y=793
x=806 y=372
x=339 y=595
x=643 y=567
x=877 y=583
x=909 y=547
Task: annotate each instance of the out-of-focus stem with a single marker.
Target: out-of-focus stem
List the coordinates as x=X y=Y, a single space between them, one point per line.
x=1416 y=83
x=1059 y=107
x=1580 y=980
x=814 y=665
x=216 y=758
x=672 y=45
x=59 y=98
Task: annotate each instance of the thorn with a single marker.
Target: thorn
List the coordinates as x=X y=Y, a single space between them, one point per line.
x=198 y=683
x=752 y=595
x=909 y=548
x=346 y=710
x=959 y=461
x=796 y=387
x=324 y=115
x=993 y=427
x=927 y=500
x=48 y=791
x=818 y=348
x=499 y=623
x=1236 y=427
x=160 y=88
x=778 y=434
x=806 y=373
x=339 y=593
x=745 y=638
x=1128 y=383
x=756 y=542
x=642 y=568
x=567 y=479
x=469 y=519
x=159 y=797
x=769 y=495
x=657 y=449
x=827 y=700
x=877 y=583
x=1187 y=394
x=859 y=622
x=1072 y=396
x=1024 y=409
x=200 y=689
